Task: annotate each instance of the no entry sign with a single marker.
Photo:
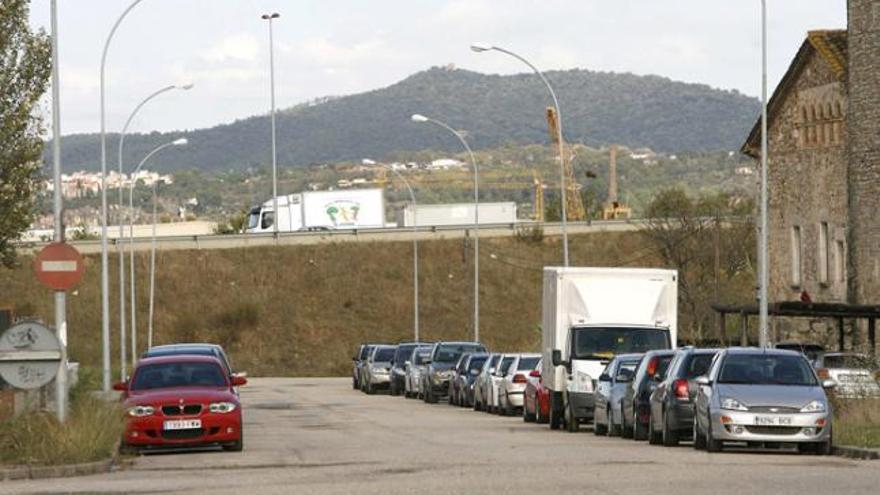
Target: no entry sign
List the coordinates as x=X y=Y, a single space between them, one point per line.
x=59 y=266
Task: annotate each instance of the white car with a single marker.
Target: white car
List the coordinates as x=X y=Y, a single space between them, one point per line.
x=494 y=382
x=513 y=385
x=852 y=374
x=414 y=369
x=483 y=381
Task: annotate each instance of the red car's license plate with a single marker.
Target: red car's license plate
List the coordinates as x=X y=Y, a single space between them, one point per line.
x=182 y=424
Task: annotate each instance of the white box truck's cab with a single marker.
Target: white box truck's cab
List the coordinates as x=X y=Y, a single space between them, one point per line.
x=589 y=316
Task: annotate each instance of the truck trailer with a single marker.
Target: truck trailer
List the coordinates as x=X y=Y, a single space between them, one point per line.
x=321 y=210
x=456 y=214
x=589 y=316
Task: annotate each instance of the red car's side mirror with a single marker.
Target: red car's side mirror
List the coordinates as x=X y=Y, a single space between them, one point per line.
x=238 y=381
x=120 y=386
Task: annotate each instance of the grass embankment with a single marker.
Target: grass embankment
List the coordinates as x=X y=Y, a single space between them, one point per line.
x=90 y=434
x=302 y=310
x=857 y=423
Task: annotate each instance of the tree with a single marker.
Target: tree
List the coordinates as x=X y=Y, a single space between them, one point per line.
x=710 y=240
x=25 y=67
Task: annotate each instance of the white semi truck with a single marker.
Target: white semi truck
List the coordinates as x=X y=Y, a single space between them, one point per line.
x=321 y=210
x=589 y=316
x=456 y=214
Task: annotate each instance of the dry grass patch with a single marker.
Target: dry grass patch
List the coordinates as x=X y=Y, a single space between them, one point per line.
x=857 y=423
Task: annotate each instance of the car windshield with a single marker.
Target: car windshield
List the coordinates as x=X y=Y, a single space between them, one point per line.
x=494 y=361
x=403 y=353
x=476 y=363
x=698 y=365
x=528 y=363
x=383 y=355
x=168 y=375
x=603 y=343
x=449 y=353
x=421 y=356
x=764 y=369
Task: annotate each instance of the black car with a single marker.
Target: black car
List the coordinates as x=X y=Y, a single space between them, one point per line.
x=398 y=366
x=636 y=406
x=672 y=403
x=438 y=372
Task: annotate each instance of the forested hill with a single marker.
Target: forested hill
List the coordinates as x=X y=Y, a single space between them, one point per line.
x=597 y=108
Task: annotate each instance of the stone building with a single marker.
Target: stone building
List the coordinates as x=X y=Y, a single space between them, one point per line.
x=824 y=171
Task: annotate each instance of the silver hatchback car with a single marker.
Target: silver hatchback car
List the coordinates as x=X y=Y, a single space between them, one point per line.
x=763 y=397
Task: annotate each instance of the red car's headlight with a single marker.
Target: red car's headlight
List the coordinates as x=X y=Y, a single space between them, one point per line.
x=221 y=407
x=141 y=411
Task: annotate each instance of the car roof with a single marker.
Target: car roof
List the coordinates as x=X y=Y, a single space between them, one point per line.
x=187 y=346
x=629 y=356
x=178 y=358
x=758 y=350
x=454 y=342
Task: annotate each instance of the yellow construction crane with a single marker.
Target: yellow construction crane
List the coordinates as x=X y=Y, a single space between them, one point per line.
x=574 y=205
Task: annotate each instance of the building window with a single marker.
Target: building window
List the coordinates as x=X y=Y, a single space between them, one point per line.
x=796 y=256
x=840 y=261
x=824 y=252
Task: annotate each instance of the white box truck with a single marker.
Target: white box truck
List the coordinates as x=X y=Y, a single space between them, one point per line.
x=589 y=316
x=456 y=214
x=321 y=210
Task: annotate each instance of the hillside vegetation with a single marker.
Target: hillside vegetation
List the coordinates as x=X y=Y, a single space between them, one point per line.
x=597 y=107
x=301 y=310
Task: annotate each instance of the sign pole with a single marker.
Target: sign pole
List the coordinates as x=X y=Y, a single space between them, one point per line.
x=60 y=295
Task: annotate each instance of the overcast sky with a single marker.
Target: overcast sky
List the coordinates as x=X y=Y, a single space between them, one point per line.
x=338 y=47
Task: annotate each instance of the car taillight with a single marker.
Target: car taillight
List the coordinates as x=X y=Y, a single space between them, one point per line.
x=823 y=374
x=681 y=389
x=519 y=378
x=652 y=367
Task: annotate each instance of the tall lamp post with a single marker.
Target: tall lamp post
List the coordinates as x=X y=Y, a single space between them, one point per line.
x=483 y=47
x=176 y=142
x=457 y=134
x=764 y=278
x=270 y=18
x=415 y=229
x=105 y=275
x=119 y=244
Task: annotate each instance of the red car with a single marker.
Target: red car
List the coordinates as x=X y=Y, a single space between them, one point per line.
x=181 y=401
x=536 y=399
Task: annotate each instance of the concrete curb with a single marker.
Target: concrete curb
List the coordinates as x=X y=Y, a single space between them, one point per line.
x=856 y=453
x=64 y=471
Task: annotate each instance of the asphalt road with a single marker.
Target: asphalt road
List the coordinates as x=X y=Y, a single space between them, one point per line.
x=319 y=436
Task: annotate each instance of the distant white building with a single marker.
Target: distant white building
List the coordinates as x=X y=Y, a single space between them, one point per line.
x=445 y=164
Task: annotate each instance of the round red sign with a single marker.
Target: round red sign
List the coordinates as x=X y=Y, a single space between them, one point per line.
x=59 y=266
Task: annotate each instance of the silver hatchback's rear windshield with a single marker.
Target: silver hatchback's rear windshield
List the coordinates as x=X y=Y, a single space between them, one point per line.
x=766 y=369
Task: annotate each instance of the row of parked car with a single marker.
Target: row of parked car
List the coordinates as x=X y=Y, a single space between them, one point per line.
x=756 y=397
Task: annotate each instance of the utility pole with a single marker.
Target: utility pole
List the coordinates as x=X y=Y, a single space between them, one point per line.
x=764 y=278
x=60 y=295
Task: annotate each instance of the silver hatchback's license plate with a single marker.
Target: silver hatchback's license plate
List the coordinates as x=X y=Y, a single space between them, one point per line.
x=182 y=424
x=772 y=421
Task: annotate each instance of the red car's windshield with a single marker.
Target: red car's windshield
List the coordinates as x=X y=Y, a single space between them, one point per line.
x=168 y=375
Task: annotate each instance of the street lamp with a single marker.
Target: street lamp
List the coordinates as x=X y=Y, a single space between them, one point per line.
x=270 y=17
x=119 y=245
x=485 y=47
x=132 y=182
x=415 y=229
x=764 y=278
x=105 y=275
x=421 y=119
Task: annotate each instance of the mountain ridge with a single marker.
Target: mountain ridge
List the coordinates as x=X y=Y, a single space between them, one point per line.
x=598 y=108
